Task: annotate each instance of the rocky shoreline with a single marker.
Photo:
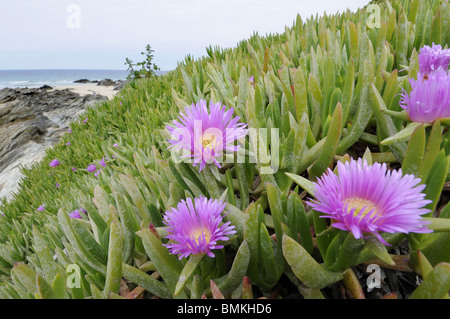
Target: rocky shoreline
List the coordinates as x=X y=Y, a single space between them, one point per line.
x=32 y=120
x=118 y=85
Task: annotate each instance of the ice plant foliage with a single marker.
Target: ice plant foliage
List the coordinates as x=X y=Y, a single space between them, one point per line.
x=364 y=198
x=432 y=58
x=429 y=99
x=203 y=135
x=196 y=226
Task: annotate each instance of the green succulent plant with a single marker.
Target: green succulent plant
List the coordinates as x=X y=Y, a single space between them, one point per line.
x=328 y=85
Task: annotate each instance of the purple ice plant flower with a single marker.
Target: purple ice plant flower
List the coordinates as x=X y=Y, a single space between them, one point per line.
x=41 y=208
x=429 y=99
x=69 y=130
x=115 y=145
x=54 y=163
x=76 y=213
x=364 y=198
x=97 y=173
x=68 y=144
x=432 y=58
x=91 y=168
x=85 y=120
x=102 y=162
x=195 y=227
x=203 y=134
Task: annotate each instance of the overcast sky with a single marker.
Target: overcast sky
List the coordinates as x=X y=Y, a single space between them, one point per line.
x=100 y=34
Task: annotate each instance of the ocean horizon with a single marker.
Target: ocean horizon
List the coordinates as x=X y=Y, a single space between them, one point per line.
x=56 y=77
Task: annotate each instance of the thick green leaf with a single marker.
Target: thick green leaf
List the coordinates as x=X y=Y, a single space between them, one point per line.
x=376 y=247
x=26 y=276
x=101 y=201
x=44 y=289
x=436 y=179
x=77 y=243
x=304 y=183
x=385 y=125
x=271 y=267
x=412 y=162
x=364 y=111
x=114 y=265
x=233 y=278
x=403 y=135
x=187 y=271
x=438 y=224
x=129 y=225
x=276 y=208
x=432 y=150
x=298 y=222
x=329 y=148
x=45 y=255
x=146 y=281
x=305 y=267
x=167 y=264
x=436 y=285
x=133 y=190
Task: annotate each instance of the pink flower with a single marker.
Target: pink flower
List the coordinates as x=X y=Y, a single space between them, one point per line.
x=432 y=58
x=54 y=163
x=195 y=227
x=429 y=99
x=97 y=173
x=203 y=135
x=363 y=198
x=76 y=213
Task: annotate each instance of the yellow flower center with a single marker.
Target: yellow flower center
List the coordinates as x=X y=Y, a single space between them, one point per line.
x=209 y=141
x=358 y=204
x=199 y=233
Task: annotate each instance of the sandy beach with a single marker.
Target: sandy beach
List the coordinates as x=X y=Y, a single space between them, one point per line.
x=88 y=88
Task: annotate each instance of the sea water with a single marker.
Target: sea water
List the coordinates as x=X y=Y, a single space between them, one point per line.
x=38 y=78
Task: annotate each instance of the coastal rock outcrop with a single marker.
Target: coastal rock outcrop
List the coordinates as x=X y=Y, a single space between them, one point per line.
x=31 y=120
x=106 y=82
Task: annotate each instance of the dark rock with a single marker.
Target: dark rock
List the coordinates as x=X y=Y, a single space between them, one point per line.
x=46 y=87
x=120 y=84
x=82 y=81
x=106 y=82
